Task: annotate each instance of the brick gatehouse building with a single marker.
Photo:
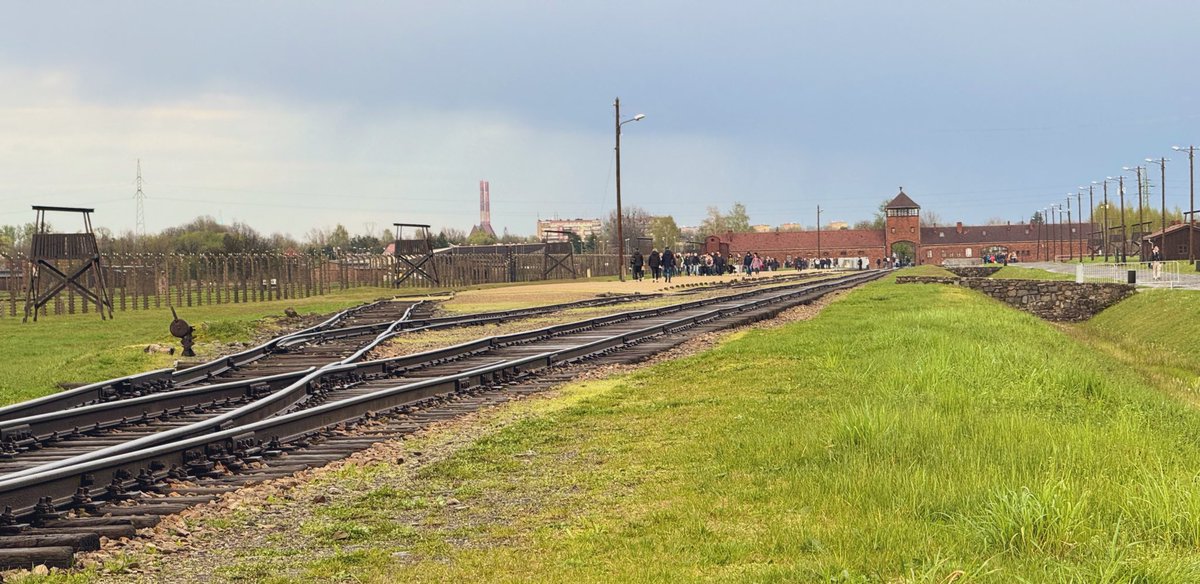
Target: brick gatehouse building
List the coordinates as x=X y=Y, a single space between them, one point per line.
x=904 y=235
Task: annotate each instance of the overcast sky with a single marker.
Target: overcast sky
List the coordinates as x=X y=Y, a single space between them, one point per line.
x=294 y=115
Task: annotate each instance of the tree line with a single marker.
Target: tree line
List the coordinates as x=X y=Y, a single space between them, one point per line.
x=205 y=234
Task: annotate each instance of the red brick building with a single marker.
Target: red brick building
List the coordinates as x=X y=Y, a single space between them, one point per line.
x=905 y=237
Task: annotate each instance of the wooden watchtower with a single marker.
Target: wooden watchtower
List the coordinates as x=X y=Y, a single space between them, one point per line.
x=72 y=260
x=558 y=254
x=416 y=253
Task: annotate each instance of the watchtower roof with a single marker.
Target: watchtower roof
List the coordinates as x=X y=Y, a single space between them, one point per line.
x=902 y=202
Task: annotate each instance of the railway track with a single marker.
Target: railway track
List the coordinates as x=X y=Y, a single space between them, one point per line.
x=196 y=455
x=50 y=436
x=221 y=369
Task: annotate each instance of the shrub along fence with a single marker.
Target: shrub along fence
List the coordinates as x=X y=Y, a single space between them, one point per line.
x=145 y=281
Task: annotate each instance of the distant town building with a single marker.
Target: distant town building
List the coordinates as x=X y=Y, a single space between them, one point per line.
x=791 y=227
x=838 y=225
x=763 y=228
x=581 y=227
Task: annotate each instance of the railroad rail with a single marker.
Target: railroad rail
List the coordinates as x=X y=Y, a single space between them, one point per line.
x=53 y=440
x=317 y=345
x=166 y=379
x=41 y=435
x=345 y=393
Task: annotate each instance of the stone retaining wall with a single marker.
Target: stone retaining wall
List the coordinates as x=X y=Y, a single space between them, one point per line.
x=974 y=271
x=1055 y=300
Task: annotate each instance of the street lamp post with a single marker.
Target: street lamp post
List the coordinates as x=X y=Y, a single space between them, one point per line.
x=1191 y=150
x=1079 y=205
x=1070 y=230
x=1162 y=167
x=1038 y=226
x=1091 y=217
x=1059 y=240
x=818 y=231
x=1141 y=217
x=1052 y=249
x=1107 y=239
x=620 y=230
x=1046 y=231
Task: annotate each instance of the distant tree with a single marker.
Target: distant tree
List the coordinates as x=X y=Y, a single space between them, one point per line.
x=665 y=232
x=512 y=238
x=995 y=221
x=591 y=244
x=714 y=223
x=283 y=243
x=8 y=237
x=200 y=242
x=738 y=219
x=635 y=224
x=366 y=244
x=879 y=221
x=454 y=236
x=480 y=237
x=339 y=237
x=1037 y=218
x=576 y=242
x=865 y=224
x=735 y=220
x=930 y=218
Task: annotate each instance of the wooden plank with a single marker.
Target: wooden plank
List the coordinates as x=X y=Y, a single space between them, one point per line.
x=53 y=557
x=80 y=542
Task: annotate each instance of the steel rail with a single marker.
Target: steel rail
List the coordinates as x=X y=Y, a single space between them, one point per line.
x=151 y=381
x=221 y=365
x=232 y=446
x=319 y=381
x=24 y=431
x=161 y=380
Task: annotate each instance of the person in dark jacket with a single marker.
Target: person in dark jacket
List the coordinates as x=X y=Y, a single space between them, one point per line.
x=655 y=263
x=747 y=262
x=668 y=263
x=636 y=262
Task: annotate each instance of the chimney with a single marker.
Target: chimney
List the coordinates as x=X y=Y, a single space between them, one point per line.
x=958 y=227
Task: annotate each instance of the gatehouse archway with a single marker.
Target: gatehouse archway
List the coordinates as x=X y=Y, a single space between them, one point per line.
x=904 y=252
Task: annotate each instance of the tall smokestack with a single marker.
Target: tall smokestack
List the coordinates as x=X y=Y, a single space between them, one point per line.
x=485 y=209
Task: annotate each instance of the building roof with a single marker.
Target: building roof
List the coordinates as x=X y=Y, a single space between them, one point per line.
x=978 y=234
x=902 y=202
x=783 y=242
x=1171 y=229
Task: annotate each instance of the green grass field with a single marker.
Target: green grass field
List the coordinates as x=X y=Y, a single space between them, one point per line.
x=917 y=433
x=83 y=349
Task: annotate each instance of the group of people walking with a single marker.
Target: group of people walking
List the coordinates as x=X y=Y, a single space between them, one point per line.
x=662 y=265
x=667 y=263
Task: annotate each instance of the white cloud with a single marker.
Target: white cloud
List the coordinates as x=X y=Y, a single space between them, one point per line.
x=290 y=167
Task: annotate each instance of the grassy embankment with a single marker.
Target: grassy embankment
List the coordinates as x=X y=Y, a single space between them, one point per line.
x=927 y=271
x=82 y=348
x=1018 y=273
x=1154 y=332
x=916 y=433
